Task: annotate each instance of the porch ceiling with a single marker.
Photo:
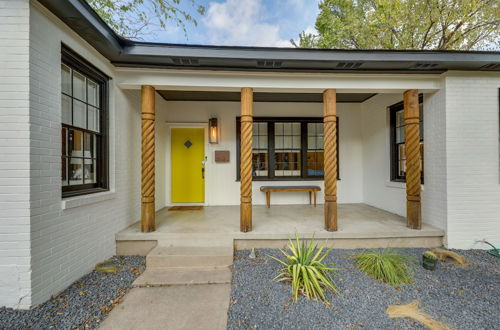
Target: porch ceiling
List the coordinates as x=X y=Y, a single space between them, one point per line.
x=174 y=95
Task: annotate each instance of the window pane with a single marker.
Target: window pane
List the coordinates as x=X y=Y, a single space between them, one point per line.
x=319 y=129
x=311 y=142
x=93 y=119
x=263 y=142
x=65 y=79
x=399 y=118
x=278 y=128
x=89 y=171
x=79 y=86
x=278 y=141
x=311 y=129
x=75 y=144
x=79 y=114
x=89 y=146
x=400 y=134
x=260 y=163
x=296 y=129
x=66 y=109
x=75 y=171
x=287 y=142
x=287 y=163
x=259 y=152
x=315 y=164
x=93 y=93
x=319 y=142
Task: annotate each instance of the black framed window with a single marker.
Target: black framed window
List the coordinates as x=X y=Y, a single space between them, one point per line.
x=397 y=136
x=286 y=148
x=84 y=149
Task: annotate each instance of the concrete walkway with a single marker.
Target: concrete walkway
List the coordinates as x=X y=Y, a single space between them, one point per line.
x=173 y=308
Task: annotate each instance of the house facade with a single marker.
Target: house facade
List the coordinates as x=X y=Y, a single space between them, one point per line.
x=98 y=133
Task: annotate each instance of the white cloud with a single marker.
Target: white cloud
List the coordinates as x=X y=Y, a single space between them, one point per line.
x=240 y=23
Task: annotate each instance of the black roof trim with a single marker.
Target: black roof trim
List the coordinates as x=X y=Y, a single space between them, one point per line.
x=79 y=16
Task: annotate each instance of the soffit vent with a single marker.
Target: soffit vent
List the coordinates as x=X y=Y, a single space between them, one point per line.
x=423 y=66
x=186 y=61
x=269 y=64
x=348 y=65
x=491 y=67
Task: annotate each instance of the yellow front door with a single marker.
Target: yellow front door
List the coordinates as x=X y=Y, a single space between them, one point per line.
x=188 y=155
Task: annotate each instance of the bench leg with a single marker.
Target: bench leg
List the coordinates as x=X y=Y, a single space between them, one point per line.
x=268 y=199
x=314 y=199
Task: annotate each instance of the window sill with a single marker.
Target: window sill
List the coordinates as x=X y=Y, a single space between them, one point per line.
x=398 y=184
x=73 y=202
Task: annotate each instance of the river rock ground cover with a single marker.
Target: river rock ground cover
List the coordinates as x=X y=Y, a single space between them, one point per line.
x=461 y=298
x=82 y=305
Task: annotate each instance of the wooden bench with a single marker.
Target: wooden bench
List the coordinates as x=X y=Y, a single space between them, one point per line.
x=269 y=189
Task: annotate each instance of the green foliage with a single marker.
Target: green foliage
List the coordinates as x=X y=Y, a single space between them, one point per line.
x=388 y=266
x=430 y=255
x=134 y=18
x=406 y=24
x=305 y=269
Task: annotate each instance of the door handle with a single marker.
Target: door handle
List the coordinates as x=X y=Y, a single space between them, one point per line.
x=203 y=173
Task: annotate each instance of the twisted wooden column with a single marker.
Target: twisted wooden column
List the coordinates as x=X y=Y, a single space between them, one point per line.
x=246 y=159
x=330 y=158
x=148 y=159
x=412 y=149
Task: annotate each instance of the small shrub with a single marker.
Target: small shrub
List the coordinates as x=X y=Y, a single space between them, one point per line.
x=305 y=269
x=430 y=255
x=388 y=266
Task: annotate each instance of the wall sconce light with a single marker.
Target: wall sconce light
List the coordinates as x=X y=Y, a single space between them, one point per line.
x=213 y=131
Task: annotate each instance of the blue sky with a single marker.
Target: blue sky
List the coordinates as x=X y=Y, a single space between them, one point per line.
x=244 y=23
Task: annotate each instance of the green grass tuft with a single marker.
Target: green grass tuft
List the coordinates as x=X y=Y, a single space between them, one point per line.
x=304 y=268
x=388 y=266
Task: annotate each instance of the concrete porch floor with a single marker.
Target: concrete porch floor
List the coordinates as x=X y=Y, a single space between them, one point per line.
x=360 y=225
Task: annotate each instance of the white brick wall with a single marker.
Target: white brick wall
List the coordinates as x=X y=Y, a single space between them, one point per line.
x=66 y=244
x=15 y=272
x=378 y=191
x=472 y=150
x=434 y=202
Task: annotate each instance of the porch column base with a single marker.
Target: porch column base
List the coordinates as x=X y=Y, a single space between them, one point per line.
x=148 y=215
x=246 y=214
x=413 y=212
x=331 y=214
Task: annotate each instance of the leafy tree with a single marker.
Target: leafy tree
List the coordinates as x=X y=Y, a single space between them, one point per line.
x=133 y=19
x=405 y=24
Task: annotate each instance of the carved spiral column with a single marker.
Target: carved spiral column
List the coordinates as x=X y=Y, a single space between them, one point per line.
x=148 y=159
x=330 y=158
x=412 y=149
x=246 y=159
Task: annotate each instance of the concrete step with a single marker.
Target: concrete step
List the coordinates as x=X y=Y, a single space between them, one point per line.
x=189 y=256
x=184 y=276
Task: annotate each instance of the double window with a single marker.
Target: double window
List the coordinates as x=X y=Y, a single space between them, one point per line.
x=84 y=151
x=398 y=154
x=286 y=148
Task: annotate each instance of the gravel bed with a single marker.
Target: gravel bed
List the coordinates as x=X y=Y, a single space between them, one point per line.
x=462 y=298
x=83 y=305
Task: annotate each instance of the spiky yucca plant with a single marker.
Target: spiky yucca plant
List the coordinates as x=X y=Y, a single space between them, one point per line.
x=388 y=266
x=305 y=269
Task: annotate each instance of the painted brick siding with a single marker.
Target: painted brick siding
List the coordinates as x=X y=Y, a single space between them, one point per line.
x=434 y=202
x=15 y=273
x=472 y=150
x=67 y=243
